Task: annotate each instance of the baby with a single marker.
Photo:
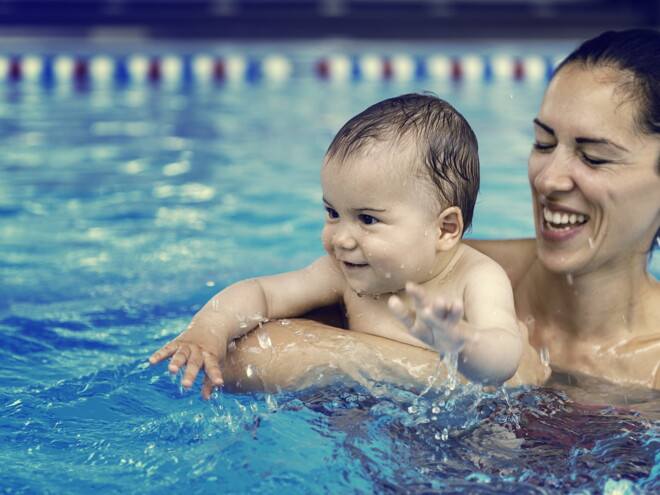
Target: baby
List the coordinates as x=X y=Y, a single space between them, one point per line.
x=399 y=184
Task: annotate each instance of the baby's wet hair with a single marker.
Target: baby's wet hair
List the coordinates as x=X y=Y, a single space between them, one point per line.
x=446 y=146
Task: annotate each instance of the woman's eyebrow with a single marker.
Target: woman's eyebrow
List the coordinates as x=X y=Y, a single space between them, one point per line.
x=546 y=128
x=584 y=140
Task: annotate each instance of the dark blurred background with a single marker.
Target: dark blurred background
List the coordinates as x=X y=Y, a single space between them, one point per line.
x=313 y=19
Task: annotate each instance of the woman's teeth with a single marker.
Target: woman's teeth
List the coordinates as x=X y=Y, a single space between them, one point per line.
x=562 y=221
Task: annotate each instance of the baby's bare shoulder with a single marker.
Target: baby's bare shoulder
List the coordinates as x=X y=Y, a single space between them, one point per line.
x=476 y=263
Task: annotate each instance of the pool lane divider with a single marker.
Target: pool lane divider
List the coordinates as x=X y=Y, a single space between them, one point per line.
x=178 y=69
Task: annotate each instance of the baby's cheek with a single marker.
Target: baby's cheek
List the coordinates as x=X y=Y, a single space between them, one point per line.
x=326 y=239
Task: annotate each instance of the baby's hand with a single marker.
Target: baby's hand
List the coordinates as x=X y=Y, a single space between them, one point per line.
x=195 y=354
x=434 y=322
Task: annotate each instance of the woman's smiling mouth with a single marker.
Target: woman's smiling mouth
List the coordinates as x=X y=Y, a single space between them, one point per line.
x=561 y=221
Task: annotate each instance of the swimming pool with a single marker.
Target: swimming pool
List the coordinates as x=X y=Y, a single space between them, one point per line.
x=132 y=191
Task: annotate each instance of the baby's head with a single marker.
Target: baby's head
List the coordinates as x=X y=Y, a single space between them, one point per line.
x=429 y=136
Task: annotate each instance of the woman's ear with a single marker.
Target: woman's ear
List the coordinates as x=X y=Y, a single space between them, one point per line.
x=450 y=228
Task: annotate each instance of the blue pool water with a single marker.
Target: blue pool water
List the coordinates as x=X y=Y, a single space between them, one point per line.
x=124 y=208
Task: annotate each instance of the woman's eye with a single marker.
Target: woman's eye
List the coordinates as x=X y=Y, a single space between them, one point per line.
x=332 y=213
x=542 y=147
x=368 y=219
x=593 y=161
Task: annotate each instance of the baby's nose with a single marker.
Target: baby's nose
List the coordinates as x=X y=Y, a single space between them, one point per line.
x=344 y=239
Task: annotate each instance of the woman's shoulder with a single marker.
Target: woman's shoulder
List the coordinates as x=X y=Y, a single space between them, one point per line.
x=514 y=255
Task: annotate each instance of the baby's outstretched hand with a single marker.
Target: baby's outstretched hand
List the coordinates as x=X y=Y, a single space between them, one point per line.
x=434 y=322
x=195 y=356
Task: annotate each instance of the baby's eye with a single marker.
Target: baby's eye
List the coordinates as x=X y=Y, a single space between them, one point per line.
x=331 y=213
x=368 y=219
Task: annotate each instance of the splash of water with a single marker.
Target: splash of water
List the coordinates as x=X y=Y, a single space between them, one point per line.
x=545 y=356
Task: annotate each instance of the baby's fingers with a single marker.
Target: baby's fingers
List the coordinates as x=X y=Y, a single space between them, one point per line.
x=179 y=359
x=163 y=353
x=193 y=365
x=212 y=369
x=416 y=292
x=448 y=312
x=400 y=311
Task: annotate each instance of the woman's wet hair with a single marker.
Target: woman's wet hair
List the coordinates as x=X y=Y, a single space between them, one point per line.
x=444 y=142
x=637 y=53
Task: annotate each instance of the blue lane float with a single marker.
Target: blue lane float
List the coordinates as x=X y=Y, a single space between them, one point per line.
x=204 y=68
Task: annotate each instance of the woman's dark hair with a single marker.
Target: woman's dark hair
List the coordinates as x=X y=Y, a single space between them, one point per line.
x=637 y=53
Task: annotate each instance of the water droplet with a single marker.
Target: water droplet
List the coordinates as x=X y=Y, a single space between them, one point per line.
x=545 y=356
x=231 y=346
x=214 y=304
x=285 y=322
x=376 y=296
x=591 y=243
x=250 y=370
x=210 y=283
x=259 y=319
x=388 y=275
x=264 y=340
x=445 y=434
x=242 y=323
x=569 y=278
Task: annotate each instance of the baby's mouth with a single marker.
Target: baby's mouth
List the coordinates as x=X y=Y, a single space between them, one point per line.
x=353 y=266
x=560 y=221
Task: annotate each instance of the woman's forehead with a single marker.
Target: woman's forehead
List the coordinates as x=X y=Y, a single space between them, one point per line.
x=589 y=101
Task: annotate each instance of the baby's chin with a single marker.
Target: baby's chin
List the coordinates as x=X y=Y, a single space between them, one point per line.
x=376 y=293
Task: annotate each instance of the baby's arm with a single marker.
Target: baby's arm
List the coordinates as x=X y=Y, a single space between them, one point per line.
x=238 y=309
x=482 y=329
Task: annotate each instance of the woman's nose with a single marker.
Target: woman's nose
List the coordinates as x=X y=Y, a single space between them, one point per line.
x=552 y=173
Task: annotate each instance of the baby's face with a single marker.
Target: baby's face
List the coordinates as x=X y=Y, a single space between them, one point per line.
x=380 y=227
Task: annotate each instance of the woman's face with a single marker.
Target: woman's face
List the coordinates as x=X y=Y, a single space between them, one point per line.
x=593 y=174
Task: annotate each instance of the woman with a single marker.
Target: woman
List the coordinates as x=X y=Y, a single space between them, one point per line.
x=582 y=286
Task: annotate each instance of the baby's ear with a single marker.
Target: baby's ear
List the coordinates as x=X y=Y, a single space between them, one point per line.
x=450 y=228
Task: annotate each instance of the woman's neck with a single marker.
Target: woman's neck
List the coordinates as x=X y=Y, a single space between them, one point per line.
x=602 y=303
